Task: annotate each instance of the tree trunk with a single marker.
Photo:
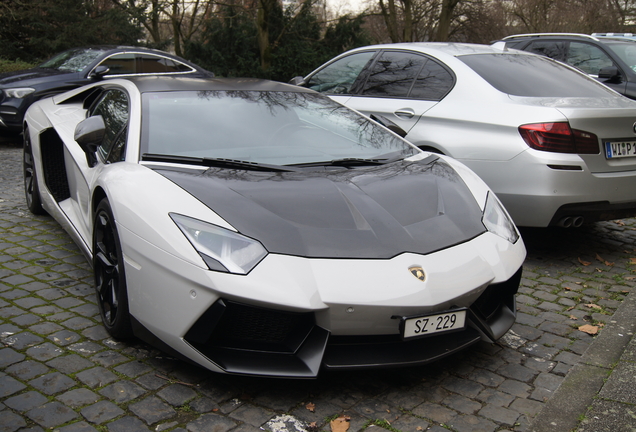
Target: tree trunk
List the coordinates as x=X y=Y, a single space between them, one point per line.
x=445 y=18
x=265 y=8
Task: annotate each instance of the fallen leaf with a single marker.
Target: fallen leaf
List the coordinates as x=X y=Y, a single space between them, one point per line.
x=594 y=306
x=599 y=270
x=570 y=308
x=311 y=407
x=313 y=425
x=619 y=222
x=578 y=283
x=601 y=325
x=589 y=329
x=215 y=409
x=632 y=260
x=586 y=263
x=607 y=263
x=572 y=317
x=341 y=424
x=567 y=288
x=419 y=428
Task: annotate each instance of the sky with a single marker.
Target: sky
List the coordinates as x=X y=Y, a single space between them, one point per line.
x=346 y=5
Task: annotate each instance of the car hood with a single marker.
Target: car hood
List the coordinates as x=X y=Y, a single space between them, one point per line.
x=376 y=212
x=24 y=77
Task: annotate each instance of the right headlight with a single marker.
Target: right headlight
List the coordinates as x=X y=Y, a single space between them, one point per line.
x=497 y=221
x=19 y=92
x=221 y=249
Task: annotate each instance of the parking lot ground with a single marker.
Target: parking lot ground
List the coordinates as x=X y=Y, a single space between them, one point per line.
x=59 y=369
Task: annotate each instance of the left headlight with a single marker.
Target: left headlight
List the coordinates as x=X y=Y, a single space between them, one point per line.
x=18 y=93
x=221 y=249
x=497 y=221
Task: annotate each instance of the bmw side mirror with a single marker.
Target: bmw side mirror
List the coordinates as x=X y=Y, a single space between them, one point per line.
x=611 y=74
x=89 y=134
x=388 y=124
x=99 y=71
x=297 y=80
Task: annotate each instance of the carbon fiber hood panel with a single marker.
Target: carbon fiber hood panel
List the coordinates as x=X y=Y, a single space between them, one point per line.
x=375 y=212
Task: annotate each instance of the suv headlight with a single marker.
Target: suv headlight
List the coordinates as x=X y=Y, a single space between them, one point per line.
x=221 y=249
x=497 y=221
x=18 y=93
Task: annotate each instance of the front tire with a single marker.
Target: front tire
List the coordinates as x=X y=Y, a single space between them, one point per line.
x=31 y=189
x=110 y=278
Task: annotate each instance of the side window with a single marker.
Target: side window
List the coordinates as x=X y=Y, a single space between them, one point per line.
x=148 y=63
x=393 y=74
x=113 y=107
x=553 y=49
x=120 y=64
x=588 y=58
x=339 y=76
x=433 y=82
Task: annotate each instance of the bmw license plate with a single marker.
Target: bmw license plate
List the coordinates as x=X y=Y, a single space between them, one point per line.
x=620 y=149
x=430 y=324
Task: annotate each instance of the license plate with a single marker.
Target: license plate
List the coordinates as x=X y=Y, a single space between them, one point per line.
x=620 y=149
x=431 y=324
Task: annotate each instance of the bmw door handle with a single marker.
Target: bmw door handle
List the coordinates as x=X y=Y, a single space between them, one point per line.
x=405 y=112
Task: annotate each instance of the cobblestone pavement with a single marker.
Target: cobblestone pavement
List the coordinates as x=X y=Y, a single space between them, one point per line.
x=59 y=370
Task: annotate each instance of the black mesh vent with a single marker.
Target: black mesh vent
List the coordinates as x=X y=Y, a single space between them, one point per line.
x=238 y=326
x=495 y=295
x=52 y=150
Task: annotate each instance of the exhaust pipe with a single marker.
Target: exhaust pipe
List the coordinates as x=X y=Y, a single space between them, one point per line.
x=571 y=222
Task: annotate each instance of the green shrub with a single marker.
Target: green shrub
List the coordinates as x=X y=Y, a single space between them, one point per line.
x=10 y=66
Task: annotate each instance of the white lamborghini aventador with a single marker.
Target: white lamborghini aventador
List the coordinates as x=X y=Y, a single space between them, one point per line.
x=258 y=228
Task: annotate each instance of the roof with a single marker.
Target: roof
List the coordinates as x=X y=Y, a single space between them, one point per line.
x=147 y=84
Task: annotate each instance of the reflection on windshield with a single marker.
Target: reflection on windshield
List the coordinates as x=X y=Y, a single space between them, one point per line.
x=73 y=60
x=278 y=128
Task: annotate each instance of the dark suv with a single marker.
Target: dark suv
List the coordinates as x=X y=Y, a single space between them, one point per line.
x=609 y=59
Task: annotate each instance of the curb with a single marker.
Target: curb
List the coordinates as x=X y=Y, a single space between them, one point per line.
x=575 y=394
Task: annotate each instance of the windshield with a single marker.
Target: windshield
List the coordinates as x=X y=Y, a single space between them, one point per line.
x=277 y=128
x=74 y=60
x=626 y=51
x=533 y=76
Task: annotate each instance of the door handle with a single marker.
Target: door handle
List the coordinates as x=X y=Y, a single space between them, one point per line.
x=405 y=112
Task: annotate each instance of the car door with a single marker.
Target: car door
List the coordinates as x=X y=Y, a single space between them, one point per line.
x=401 y=86
x=591 y=59
x=113 y=106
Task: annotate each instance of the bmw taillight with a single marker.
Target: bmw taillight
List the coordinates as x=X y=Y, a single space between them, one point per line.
x=559 y=138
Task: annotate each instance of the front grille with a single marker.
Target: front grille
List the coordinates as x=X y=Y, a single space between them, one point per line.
x=252 y=340
x=261 y=329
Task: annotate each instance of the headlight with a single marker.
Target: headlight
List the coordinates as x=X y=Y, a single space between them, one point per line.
x=497 y=221
x=221 y=249
x=18 y=93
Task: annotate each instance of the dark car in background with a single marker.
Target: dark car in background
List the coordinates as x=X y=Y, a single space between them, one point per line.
x=80 y=66
x=609 y=58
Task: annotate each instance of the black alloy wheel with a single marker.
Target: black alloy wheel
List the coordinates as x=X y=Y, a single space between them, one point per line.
x=110 y=279
x=31 y=190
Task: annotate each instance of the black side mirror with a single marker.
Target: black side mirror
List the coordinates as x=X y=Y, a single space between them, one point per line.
x=99 y=72
x=89 y=134
x=297 y=80
x=388 y=124
x=611 y=74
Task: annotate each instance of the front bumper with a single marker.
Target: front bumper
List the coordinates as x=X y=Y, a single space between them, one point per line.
x=292 y=317
x=243 y=339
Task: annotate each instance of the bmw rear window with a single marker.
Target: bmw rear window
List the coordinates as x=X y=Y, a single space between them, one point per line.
x=533 y=76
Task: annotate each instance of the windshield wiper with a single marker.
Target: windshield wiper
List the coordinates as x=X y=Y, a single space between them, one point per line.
x=215 y=162
x=348 y=162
